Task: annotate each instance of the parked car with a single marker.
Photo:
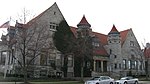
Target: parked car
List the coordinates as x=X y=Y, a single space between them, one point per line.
x=127 y=80
x=100 y=80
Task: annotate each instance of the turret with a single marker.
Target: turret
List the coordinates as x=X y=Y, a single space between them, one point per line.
x=114 y=36
x=84 y=27
x=114 y=45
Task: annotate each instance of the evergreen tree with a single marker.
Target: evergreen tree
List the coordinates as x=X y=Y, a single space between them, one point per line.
x=64 y=42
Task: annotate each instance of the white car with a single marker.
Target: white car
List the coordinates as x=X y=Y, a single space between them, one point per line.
x=100 y=80
x=127 y=80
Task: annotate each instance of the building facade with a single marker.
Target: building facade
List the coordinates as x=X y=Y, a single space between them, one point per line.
x=116 y=54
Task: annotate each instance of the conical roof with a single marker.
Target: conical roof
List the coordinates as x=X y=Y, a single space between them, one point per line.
x=114 y=30
x=83 y=22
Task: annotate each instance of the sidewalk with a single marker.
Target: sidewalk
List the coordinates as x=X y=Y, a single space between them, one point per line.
x=144 y=82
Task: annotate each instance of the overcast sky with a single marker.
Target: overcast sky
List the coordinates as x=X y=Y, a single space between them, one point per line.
x=101 y=14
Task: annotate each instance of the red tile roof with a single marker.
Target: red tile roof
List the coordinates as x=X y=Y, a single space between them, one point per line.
x=103 y=39
x=123 y=35
x=100 y=51
x=84 y=21
x=114 y=30
x=74 y=30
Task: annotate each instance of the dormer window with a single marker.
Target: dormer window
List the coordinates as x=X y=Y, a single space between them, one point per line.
x=96 y=44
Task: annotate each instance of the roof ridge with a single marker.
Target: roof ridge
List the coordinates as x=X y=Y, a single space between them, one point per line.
x=38 y=16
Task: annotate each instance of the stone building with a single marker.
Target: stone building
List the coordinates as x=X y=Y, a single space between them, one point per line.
x=117 y=53
x=49 y=60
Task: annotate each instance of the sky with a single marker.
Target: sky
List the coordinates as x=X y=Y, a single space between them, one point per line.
x=101 y=14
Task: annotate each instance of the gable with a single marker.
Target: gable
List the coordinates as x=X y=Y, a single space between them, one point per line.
x=130 y=40
x=52 y=14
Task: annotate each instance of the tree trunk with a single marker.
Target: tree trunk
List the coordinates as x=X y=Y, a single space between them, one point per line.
x=82 y=69
x=82 y=72
x=25 y=75
x=146 y=69
x=65 y=66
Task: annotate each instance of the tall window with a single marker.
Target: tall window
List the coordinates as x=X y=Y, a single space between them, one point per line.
x=115 y=56
x=133 y=65
x=3 y=57
x=115 y=66
x=110 y=51
x=129 y=64
x=124 y=64
x=70 y=61
x=119 y=66
x=140 y=65
x=136 y=65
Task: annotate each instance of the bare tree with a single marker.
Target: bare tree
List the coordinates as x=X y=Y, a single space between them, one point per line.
x=84 y=55
x=146 y=55
x=30 y=43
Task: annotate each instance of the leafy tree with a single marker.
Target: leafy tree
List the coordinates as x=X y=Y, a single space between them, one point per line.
x=64 y=42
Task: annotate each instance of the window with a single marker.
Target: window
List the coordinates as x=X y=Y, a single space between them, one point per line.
x=136 y=65
x=119 y=66
x=110 y=51
x=124 y=64
x=131 y=43
x=140 y=63
x=129 y=64
x=115 y=56
x=3 y=57
x=132 y=56
x=53 y=26
x=133 y=64
x=115 y=66
x=54 y=13
x=95 y=44
x=70 y=61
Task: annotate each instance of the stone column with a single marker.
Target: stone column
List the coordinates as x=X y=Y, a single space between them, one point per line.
x=94 y=65
x=102 y=66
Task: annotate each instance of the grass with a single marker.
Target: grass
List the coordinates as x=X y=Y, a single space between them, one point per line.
x=40 y=81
